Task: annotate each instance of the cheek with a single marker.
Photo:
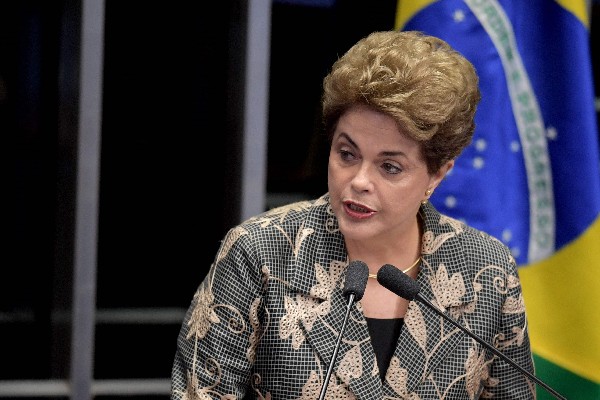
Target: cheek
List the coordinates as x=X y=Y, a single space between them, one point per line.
x=330 y=174
x=395 y=198
x=331 y=177
x=336 y=181
x=332 y=169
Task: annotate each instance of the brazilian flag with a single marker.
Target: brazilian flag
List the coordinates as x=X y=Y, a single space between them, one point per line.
x=531 y=176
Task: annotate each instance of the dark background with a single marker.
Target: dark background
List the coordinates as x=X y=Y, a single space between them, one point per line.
x=170 y=161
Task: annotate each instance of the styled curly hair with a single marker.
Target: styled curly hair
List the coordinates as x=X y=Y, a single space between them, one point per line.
x=429 y=89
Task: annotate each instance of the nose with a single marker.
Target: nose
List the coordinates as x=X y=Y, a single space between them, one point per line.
x=362 y=180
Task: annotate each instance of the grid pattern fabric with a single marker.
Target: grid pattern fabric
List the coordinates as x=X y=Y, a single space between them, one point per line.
x=264 y=322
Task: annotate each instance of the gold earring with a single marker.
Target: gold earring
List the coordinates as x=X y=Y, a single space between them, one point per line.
x=427 y=193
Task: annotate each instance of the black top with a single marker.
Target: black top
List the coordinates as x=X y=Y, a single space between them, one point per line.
x=384 y=335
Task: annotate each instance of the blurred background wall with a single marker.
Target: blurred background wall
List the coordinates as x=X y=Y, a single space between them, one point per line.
x=149 y=129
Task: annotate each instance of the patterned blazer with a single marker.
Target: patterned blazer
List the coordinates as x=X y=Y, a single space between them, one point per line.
x=264 y=321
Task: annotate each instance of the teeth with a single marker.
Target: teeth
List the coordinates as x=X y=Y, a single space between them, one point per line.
x=356 y=208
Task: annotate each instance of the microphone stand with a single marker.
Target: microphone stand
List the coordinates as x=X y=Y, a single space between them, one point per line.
x=336 y=348
x=488 y=346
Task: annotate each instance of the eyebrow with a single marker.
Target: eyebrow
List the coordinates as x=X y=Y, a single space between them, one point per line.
x=385 y=153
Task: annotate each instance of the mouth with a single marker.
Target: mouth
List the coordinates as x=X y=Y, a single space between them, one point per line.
x=357 y=210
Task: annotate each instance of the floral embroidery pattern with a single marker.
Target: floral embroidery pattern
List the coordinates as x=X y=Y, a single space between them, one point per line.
x=327 y=280
x=203 y=315
x=280 y=213
x=501 y=343
x=431 y=243
x=415 y=324
x=397 y=377
x=312 y=389
x=307 y=309
x=256 y=380
x=229 y=241
x=513 y=282
x=476 y=371
x=304 y=309
x=194 y=392
x=514 y=305
x=456 y=225
x=351 y=365
x=303 y=234
x=257 y=330
x=447 y=291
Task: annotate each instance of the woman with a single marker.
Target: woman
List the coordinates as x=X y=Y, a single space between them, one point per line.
x=399 y=108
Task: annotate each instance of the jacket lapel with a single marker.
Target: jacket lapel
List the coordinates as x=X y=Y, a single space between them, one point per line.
x=426 y=339
x=319 y=277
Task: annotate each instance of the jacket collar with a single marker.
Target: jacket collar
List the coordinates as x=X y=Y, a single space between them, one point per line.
x=319 y=246
x=443 y=255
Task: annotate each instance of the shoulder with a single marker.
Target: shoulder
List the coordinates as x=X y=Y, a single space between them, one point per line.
x=456 y=235
x=277 y=226
x=289 y=215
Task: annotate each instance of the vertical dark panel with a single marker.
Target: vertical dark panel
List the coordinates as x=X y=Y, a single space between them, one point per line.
x=163 y=153
x=169 y=157
x=66 y=170
x=29 y=42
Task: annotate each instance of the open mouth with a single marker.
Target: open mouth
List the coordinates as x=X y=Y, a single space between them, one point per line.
x=357 y=211
x=357 y=208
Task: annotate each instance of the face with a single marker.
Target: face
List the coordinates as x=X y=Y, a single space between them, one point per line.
x=377 y=177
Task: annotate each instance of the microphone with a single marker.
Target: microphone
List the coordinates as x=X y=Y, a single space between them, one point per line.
x=354 y=288
x=404 y=286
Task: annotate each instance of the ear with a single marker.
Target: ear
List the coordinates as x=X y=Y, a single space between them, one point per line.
x=437 y=177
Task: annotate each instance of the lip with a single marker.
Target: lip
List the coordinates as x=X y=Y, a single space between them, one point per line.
x=357 y=210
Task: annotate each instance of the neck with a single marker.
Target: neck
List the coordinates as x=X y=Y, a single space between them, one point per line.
x=400 y=250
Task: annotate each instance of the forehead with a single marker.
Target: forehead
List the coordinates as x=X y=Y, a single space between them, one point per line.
x=362 y=123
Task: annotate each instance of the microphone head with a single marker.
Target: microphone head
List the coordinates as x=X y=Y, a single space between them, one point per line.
x=357 y=274
x=398 y=282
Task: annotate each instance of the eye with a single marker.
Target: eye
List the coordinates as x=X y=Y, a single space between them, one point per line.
x=390 y=168
x=346 y=155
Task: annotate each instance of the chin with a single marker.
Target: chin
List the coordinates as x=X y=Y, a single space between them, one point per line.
x=355 y=229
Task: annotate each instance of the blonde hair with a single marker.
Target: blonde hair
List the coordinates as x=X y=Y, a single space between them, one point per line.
x=429 y=88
